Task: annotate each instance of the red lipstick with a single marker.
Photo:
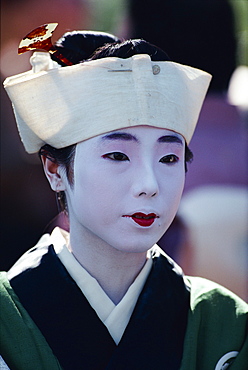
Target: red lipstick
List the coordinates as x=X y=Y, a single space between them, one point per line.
x=143 y=219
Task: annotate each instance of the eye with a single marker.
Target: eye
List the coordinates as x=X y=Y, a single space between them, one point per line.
x=169 y=159
x=116 y=156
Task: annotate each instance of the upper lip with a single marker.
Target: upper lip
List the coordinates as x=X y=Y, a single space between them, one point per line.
x=142 y=215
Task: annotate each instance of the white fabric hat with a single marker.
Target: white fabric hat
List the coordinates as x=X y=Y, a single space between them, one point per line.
x=63 y=106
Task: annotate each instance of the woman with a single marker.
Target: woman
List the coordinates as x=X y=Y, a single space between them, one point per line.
x=112 y=132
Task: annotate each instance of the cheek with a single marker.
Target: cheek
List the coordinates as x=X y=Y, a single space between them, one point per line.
x=97 y=195
x=179 y=182
x=172 y=189
x=178 y=195
x=178 y=186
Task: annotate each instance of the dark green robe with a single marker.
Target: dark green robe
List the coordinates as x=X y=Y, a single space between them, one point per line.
x=178 y=323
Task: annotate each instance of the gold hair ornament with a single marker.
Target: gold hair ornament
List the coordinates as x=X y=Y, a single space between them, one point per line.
x=41 y=39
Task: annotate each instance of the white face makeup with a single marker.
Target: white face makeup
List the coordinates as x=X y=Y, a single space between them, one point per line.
x=127 y=187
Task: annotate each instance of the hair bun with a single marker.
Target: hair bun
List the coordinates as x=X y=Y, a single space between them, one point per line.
x=78 y=46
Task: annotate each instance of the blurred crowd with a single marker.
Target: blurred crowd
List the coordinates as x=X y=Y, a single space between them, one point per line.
x=209 y=235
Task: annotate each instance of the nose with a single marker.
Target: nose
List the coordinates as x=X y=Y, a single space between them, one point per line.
x=145 y=183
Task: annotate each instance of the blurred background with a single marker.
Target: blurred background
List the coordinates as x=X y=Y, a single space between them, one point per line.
x=209 y=235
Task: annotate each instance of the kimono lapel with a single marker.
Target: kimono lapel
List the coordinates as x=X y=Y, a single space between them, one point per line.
x=153 y=338
x=155 y=334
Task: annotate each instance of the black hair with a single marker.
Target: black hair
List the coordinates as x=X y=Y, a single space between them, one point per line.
x=128 y=48
x=78 y=46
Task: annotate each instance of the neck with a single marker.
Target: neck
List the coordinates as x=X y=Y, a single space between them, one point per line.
x=114 y=270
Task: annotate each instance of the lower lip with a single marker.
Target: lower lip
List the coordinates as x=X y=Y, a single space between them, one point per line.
x=145 y=222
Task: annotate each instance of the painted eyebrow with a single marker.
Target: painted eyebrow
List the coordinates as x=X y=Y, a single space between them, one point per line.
x=128 y=137
x=120 y=136
x=170 y=139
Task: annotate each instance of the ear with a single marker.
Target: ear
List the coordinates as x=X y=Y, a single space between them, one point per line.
x=53 y=173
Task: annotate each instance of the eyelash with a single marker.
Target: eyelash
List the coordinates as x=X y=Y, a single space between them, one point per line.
x=116 y=156
x=169 y=159
x=120 y=157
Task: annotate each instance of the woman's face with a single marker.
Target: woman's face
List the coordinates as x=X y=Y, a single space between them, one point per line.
x=127 y=186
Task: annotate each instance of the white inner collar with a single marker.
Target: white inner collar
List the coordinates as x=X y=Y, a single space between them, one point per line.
x=114 y=317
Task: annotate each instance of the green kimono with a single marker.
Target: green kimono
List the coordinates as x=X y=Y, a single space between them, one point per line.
x=215 y=333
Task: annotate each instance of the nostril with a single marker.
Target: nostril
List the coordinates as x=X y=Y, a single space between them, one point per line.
x=144 y=193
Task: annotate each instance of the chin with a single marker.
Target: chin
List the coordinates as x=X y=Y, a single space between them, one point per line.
x=141 y=245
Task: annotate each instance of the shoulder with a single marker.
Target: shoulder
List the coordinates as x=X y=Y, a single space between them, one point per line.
x=217 y=327
x=215 y=309
x=206 y=294
x=43 y=254
x=32 y=258
x=21 y=343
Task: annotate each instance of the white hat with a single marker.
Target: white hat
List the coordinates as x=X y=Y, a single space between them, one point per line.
x=63 y=106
